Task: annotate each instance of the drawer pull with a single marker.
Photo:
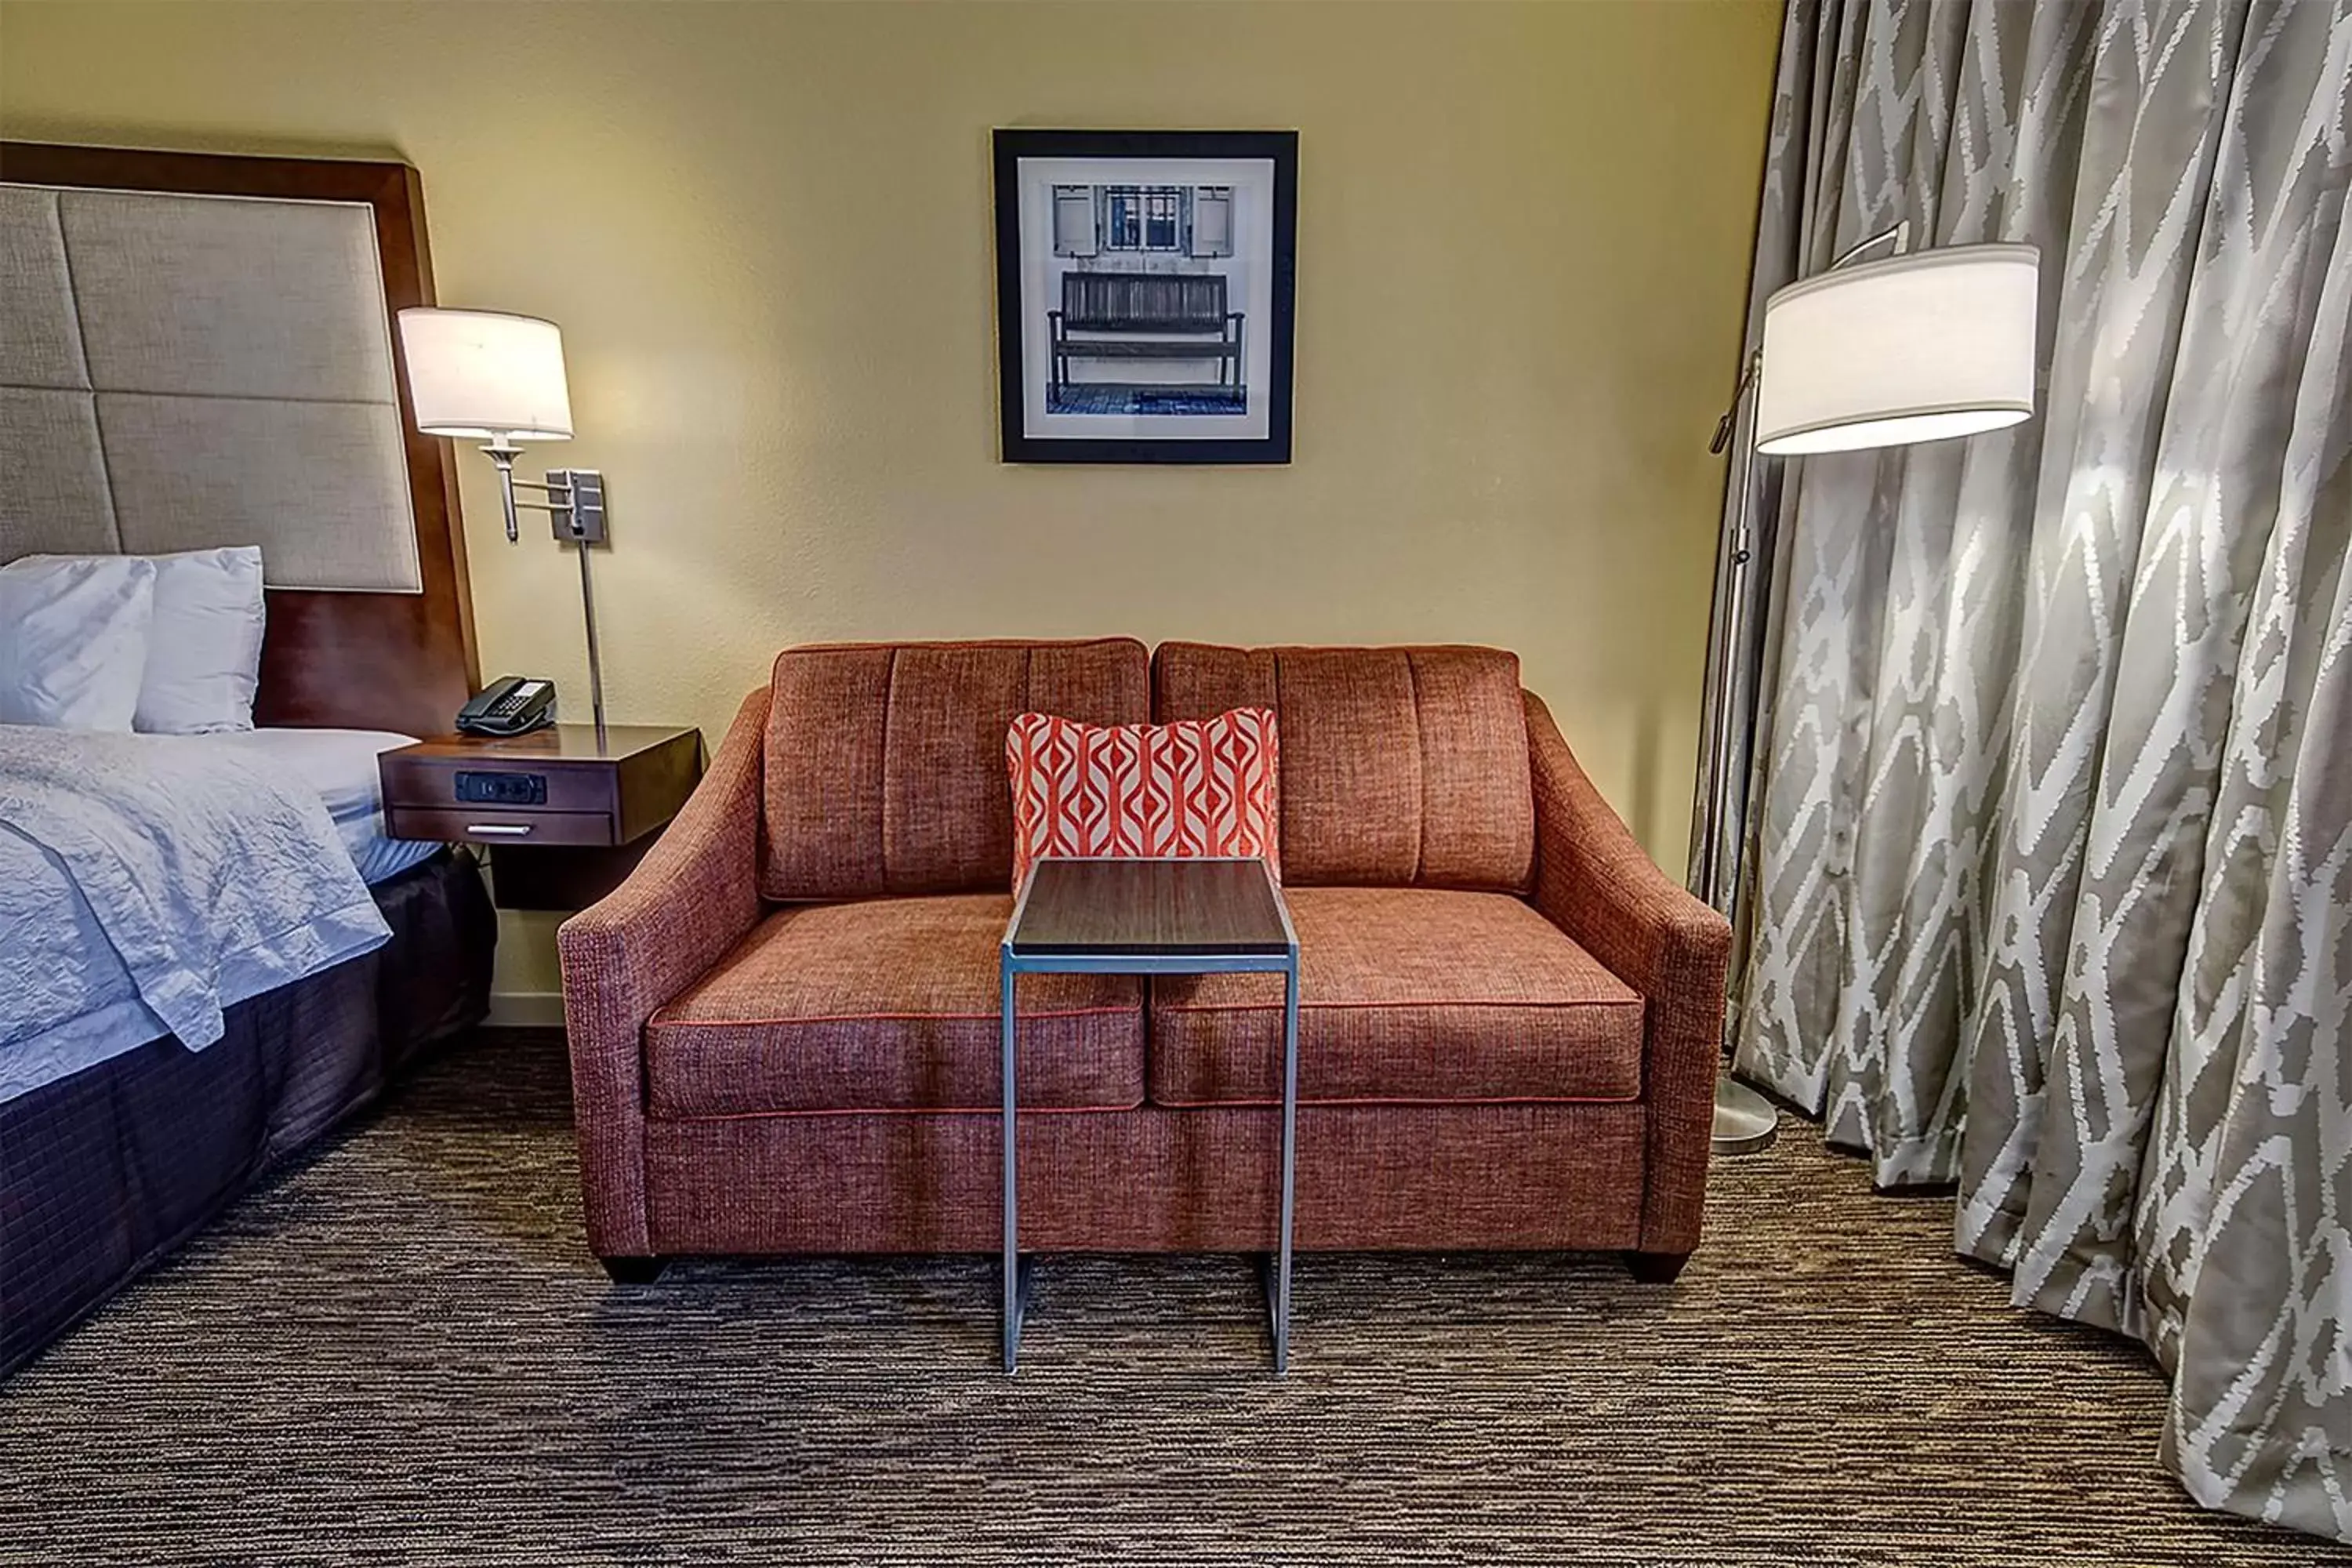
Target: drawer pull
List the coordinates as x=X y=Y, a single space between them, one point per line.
x=500 y=829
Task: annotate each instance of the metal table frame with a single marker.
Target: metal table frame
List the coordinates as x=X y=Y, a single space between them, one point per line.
x=1274 y=1273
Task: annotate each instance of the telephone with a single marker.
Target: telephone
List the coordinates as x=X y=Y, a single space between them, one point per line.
x=511 y=705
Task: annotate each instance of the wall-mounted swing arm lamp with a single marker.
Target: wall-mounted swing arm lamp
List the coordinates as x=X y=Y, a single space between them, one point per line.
x=1921 y=346
x=497 y=377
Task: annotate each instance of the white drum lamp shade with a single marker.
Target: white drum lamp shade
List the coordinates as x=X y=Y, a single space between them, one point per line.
x=486 y=374
x=1916 y=347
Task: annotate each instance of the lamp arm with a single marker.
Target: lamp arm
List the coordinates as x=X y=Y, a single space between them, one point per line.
x=582 y=508
x=1900 y=234
x=504 y=455
x=1748 y=372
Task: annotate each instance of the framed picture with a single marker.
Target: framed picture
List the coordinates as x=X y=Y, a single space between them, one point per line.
x=1144 y=288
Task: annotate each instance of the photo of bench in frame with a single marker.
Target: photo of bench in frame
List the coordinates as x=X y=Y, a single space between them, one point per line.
x=1150 y=316
x=1146 y=284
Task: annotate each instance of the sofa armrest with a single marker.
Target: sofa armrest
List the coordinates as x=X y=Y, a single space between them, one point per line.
x=1593 y=881
x=690 y=901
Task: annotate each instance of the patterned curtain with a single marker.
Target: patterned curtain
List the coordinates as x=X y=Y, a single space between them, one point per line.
x=2052 y=830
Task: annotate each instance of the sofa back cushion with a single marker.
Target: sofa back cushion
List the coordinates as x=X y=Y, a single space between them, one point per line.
x=1401 y=766
x=885 y=765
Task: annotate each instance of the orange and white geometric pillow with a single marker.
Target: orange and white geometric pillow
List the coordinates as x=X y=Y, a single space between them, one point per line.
x=1192 y=789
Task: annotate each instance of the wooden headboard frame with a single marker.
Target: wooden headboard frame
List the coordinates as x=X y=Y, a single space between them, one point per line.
x=360 y=661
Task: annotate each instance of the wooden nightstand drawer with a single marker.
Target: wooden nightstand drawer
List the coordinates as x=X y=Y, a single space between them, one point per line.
x=564 y=812
x=485 y=825
x=430 y=781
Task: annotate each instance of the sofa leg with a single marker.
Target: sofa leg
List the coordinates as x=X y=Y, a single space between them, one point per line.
x=634 y=1270
x=1656 y=1268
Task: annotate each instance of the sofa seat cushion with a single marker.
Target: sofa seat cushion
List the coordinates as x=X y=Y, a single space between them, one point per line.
x=1411 y=995
x=887 y=1005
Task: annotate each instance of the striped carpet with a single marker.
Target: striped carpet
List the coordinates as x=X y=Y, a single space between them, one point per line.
x=400 y=1351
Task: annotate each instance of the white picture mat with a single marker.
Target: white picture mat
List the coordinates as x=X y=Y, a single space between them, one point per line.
x=1252 y=266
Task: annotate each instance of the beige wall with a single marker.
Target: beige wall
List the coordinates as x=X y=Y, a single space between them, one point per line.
x=1523 y=242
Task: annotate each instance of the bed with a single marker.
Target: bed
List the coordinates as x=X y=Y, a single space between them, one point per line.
x=211 y=955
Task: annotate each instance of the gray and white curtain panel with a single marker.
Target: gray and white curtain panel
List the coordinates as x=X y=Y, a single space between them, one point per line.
x=2051 y=805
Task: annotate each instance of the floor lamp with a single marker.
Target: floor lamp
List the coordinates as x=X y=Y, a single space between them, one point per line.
x=1917 y=347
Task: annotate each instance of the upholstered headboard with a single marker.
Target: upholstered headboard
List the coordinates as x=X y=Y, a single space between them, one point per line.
x=197 y=351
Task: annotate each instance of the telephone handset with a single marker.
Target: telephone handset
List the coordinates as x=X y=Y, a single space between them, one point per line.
x=511 y=705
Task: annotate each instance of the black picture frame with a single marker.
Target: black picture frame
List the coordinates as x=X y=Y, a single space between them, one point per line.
x=1019 y=443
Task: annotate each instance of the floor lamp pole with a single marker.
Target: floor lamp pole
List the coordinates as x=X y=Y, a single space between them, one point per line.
x=1919 y=347
x=1745 y=1121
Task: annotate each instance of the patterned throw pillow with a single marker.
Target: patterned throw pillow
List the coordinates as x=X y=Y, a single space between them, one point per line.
x=1196 y=788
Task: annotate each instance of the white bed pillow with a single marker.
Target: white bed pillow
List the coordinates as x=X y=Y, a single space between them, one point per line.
x=203 y=651
x=73 y=639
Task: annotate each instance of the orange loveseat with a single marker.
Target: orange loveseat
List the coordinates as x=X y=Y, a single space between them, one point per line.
x=784 y=1024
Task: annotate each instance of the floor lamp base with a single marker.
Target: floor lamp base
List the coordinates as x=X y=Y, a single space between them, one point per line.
x=1745 y=1121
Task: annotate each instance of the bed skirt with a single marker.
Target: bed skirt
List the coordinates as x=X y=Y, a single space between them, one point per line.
x=104 y=1172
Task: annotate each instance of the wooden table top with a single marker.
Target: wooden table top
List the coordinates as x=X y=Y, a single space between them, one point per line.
x=1187 y=909
x=554 y=744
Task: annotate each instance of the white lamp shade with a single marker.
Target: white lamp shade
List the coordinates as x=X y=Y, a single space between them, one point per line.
x=486 y=373
x=1918 y=348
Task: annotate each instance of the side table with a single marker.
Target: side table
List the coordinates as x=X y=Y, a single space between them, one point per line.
x=568 y=810
x=1150 y=917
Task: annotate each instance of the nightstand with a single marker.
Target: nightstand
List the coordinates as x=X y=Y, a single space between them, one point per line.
x=565 y=815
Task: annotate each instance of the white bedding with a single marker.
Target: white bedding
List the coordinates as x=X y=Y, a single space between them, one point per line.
x=148 y=881
x=340 y=765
